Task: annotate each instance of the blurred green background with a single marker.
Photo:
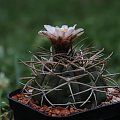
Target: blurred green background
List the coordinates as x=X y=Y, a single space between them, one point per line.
x=20 y=20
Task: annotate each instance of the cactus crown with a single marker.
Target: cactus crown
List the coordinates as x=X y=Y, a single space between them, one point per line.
x=65 y=76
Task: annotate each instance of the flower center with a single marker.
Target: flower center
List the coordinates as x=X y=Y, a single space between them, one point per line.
x=64 y=28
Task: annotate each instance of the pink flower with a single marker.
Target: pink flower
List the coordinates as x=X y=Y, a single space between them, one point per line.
x=61 y=36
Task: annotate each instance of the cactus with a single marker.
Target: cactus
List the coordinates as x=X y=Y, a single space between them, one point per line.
x=65 y=75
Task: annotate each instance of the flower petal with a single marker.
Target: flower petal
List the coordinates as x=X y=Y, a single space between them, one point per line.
x=72 y=27
x=59 y=33
x=64 y=27
x=42 y=32
x=47 y=34
x=50 y=29
x=68 y=33
x=78 y=31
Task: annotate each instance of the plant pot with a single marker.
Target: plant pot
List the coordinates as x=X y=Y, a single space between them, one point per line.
x=24 y=112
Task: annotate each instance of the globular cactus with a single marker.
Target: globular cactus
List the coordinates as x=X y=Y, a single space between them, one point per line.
x=66 y=76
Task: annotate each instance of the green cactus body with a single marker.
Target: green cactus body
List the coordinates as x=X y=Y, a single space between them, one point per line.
x=66 y=76
x=74 y=79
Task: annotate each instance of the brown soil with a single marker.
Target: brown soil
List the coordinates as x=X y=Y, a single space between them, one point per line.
x=112 y=96
x=52 y=111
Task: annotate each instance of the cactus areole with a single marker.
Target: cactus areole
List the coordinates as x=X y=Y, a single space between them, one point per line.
x=66 y=76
